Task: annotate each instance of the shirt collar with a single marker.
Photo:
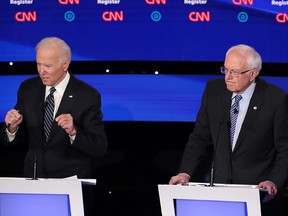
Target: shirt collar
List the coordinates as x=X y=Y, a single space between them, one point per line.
x=247 y=94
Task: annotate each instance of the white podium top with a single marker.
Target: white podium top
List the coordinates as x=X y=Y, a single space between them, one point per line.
x=73 y=178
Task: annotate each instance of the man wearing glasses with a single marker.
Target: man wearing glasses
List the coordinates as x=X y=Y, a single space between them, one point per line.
x=245 y=119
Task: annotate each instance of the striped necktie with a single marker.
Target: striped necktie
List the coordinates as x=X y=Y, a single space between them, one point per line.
x=49 y=113
x=233 y=117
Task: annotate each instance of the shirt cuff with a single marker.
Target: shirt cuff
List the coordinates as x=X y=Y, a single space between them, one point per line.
x=72 y=138
x=11 y=136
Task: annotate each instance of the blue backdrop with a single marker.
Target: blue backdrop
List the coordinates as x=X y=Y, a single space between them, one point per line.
x=153 y=30
x=167 y=98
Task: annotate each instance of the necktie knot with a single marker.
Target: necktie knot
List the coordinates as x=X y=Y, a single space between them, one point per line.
x=237 y=98
x=52 y=90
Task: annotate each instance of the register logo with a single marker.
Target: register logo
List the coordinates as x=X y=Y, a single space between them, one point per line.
x=279 y=3
x=21 y=2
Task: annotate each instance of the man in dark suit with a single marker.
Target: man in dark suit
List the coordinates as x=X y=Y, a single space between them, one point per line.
x=258 y=154
x=77 y=133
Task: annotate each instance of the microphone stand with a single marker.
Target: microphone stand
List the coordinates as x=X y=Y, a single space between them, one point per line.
x=212 y=175
x=34 y=169
x=214 y=157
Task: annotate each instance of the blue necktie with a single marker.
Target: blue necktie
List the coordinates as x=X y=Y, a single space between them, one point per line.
x=48 y=113
x=233 y=117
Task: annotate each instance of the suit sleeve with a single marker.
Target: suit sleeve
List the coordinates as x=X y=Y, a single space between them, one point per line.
x=199 y=140
x=279 y=171
x=91 y=137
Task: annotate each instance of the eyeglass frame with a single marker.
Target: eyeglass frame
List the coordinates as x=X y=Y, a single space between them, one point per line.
x=236 y=73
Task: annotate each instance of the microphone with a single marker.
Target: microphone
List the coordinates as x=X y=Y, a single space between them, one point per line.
x=35 y=169
x=236 y=111
x=214 y=156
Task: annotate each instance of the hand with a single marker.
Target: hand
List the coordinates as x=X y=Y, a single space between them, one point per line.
x=179 y=179
x=271 y=190
x=13 y=119
x=66 y=122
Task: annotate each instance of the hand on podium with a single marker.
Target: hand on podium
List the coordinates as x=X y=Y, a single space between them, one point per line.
x=181 y=178
x=271 y=189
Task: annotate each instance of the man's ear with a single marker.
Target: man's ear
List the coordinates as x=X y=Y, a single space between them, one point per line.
x=66 y=64
x=254 y=74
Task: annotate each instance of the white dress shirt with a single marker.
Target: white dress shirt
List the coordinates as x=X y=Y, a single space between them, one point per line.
x=243 y=107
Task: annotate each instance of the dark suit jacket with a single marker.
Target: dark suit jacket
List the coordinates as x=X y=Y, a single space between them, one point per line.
x=58 y=157
x=261 y=151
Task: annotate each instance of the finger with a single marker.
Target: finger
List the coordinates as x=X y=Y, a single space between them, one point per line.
x=16 y=115
x=14 y=120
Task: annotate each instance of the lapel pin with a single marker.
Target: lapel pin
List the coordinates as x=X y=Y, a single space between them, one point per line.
x=70 y=96
x=255 y=107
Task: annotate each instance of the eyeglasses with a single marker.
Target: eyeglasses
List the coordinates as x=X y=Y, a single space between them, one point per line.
x=233 y=72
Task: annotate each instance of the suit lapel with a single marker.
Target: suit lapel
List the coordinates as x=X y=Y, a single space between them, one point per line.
x=226 y=101
x=254 y=107
x=67 y=101
x=69 y=97
x=225 y=132
x=36 y=103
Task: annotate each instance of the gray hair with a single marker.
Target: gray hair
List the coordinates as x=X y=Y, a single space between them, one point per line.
x=55 y=42
x=253 y=59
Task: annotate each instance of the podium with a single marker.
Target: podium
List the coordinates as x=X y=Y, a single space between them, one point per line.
x=200 y=199
x=45 y=197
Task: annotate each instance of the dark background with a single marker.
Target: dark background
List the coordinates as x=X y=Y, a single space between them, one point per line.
x=141 y=155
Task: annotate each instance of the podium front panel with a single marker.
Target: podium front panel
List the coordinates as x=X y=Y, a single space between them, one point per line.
x=14 y=204
x=201 y=200
x=185 y=207
x=40 y=197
